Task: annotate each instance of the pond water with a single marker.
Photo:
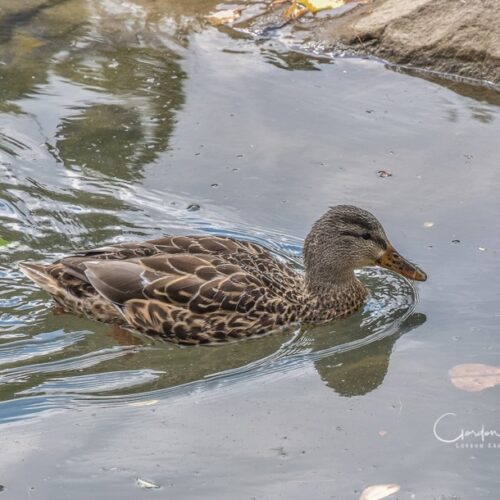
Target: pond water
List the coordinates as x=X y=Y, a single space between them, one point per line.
x=128 y=120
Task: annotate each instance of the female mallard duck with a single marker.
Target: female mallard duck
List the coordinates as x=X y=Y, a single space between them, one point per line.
x=200 y=289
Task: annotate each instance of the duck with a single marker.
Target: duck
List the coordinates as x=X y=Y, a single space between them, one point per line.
x=204 y=289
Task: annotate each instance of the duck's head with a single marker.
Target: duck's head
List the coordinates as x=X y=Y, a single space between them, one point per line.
x=346 y=238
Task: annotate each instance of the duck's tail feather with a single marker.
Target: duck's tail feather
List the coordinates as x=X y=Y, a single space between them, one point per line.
x=39 y=274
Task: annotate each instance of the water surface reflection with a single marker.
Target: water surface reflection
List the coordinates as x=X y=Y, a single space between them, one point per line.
x=115 y=117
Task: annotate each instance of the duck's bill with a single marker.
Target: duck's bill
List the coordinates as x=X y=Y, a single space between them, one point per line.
x=395 y=262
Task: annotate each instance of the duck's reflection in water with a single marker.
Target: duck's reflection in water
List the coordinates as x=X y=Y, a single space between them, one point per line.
x=351 y=362
x=351 y=355
x=358 y=371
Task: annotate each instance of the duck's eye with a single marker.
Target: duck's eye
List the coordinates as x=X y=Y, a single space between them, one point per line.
x=366 y=236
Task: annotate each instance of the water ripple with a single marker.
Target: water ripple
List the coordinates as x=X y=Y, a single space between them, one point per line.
x=95 y=383
x=42 y=344
x=74 y=363
x=387 y=314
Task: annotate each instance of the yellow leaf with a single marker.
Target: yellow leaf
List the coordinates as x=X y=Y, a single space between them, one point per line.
x=317 y=5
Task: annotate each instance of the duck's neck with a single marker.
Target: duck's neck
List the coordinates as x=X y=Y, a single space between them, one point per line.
x=332 y=289
x=333 y=299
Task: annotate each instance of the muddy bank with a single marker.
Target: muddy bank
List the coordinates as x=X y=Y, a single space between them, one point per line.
x=451 y=36
x=457 y=37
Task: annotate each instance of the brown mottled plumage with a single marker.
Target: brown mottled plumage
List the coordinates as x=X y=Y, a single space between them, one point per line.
x=201 y=289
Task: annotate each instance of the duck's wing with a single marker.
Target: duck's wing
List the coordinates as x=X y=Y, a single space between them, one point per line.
x=198 y=244
x=251 y=258
x=198 y=275
x=189 y=289
x=196 y=282
x=73 y=267
x=190 y=298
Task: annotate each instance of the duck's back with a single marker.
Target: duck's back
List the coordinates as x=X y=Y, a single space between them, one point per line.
x=189 y=289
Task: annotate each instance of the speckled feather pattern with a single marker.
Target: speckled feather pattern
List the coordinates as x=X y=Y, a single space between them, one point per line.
x=190 y=289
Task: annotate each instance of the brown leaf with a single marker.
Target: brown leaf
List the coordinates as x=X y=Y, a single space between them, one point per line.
x=384 y=173
x=474 y=377
x=224 y=16
x=294 y=12
x=378 y=491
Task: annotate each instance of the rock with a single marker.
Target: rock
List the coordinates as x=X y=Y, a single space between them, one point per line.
x=458 y=37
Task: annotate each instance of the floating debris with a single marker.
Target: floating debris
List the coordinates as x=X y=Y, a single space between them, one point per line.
x=455 y=242
x=474 y=377
x=300 y=7
x=147 y=402
x=294 y=11
x=224 y=16
x=3 y=243
x=481 y=249
x=214 y=185
x=318 y=5
x=378 y=491
x=144 y=483
x=428 y=224
x=193 y=207
x=384 y=173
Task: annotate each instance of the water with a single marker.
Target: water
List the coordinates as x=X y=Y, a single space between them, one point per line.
x=128 y=120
